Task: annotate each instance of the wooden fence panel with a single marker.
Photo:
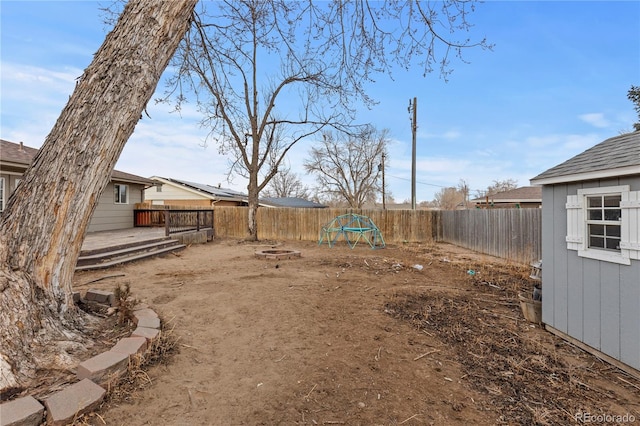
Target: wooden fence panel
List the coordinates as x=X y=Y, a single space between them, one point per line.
x=513 y=234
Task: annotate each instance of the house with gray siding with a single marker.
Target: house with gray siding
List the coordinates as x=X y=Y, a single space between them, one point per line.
x=591 y=250
x=116 y=204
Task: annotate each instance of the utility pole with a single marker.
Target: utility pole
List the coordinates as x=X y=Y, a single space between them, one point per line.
x=413 y=108
x=384 y=205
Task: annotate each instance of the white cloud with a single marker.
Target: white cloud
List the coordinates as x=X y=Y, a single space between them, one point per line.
x=169 y=145
x=37 y=96
x=447 y=135
x=511 y=158
x=595 y=119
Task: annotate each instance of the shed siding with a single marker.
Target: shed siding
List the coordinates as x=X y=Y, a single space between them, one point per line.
x=630 y=316
x=575 y=307
x=548 y=254
x=629 y=291
x=593 y=301
x=610 y=308
x=109 y=216
x=560 y=266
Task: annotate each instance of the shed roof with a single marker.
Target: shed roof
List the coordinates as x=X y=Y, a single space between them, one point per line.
x=18 y=154
x=616 y=156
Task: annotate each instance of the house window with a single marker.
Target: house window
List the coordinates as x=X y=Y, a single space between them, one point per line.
x=604 y=223
x=121 y=193
x=1 y=194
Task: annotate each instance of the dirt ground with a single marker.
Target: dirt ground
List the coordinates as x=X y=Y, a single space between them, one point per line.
x=353 y=337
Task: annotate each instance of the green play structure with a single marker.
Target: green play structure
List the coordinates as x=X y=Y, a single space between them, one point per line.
x=353 y=228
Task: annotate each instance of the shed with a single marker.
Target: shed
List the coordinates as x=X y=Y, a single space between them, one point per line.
x=591 y=250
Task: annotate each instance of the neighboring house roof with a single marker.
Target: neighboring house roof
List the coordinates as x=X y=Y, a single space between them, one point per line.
x=217 y=193
x=616 y=156
x=525 y=194
x=292 y=202
x=20 y=155
x=119 y=176
x=208 y=191
x=16 y=153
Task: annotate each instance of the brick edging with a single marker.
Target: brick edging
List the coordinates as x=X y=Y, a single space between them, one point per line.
x=63 y=406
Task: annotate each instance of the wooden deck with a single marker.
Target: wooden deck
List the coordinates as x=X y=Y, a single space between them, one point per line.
x=105 y=239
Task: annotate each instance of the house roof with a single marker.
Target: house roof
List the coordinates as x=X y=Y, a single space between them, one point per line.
x=616 y=156
x=217 y=193
x=292 y=202
x=18 y=154
x=119 y=176
x=525 y=194
x=209 y=191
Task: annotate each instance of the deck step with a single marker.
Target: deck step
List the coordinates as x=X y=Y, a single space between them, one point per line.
x=122 y=246
x=113 y=252
x=102 y=258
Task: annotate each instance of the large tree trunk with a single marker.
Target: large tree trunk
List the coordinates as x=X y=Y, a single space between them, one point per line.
x=252 y=201
x=43 y=226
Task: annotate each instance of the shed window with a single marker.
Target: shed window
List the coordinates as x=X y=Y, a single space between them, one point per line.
x=121 y=193
x=604 y=223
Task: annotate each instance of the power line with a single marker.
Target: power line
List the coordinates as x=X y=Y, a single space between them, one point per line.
x=421 y=183
x=433 y=184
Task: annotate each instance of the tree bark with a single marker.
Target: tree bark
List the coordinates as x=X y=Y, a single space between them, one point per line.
x=43 y=226
x=252 y=201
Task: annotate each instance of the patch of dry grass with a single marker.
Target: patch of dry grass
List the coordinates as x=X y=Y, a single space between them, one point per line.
x=126 y=388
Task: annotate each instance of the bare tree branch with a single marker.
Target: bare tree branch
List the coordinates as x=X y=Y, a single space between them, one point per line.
x=349 y=169
x=267 y=75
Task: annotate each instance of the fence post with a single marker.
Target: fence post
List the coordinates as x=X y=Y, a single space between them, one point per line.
x=198 y=221
x=166 y=222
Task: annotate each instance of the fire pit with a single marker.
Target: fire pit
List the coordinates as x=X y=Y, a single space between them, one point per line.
x=277 y=254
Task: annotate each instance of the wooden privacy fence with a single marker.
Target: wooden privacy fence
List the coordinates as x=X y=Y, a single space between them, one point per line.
x=397 y=226
x=514 y=234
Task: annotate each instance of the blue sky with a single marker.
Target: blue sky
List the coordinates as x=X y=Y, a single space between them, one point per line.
x=554 y=85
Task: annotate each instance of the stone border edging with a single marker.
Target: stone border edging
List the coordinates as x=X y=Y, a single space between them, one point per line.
x=64 y=406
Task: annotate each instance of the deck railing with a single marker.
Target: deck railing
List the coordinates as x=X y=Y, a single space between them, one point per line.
x=174 y=220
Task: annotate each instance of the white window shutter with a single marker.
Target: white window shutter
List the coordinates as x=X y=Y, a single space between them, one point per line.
x=630 y=227
x=575 y=223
